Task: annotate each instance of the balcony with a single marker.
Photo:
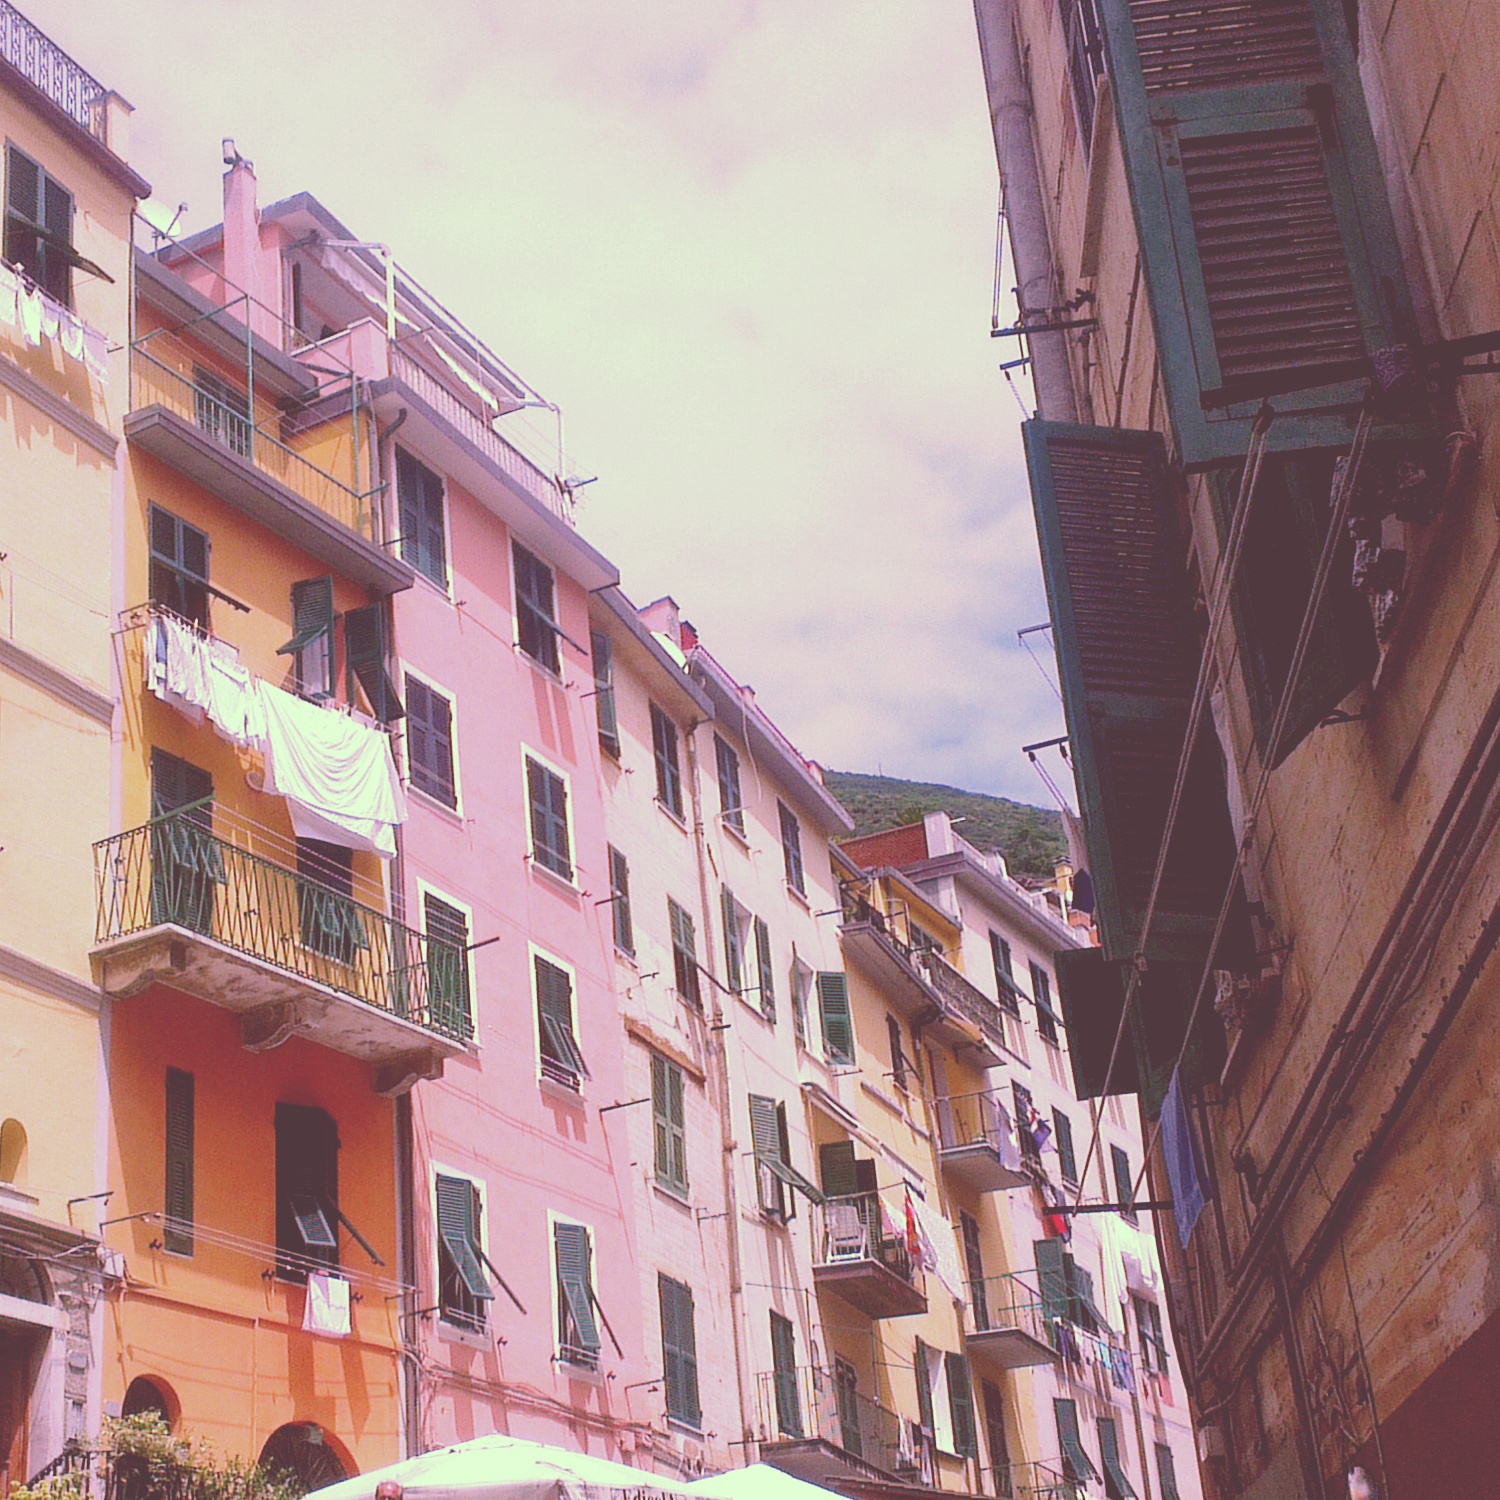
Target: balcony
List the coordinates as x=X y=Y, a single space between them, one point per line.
x=1005 y=1325
x=43 y=64
x=180 y=906
x=860 y=1256
x=824 y=1428
x=1035 y=1481
x=977 y=1144
x=217 y=443
x=932 y=993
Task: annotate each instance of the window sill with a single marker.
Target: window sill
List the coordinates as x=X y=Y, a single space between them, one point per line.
x=675 y=818
x=552 y=878
x=736 y=835
x=548 y=674
x=682 y=1425
x=800 y=897
x=457 y=1333
x=665 y=1190
x=444 y=590
x=427 y=799
x=575 y=1369
x=561 y=1092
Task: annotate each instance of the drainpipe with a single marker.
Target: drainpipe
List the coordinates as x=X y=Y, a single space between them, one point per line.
x=1025 y=207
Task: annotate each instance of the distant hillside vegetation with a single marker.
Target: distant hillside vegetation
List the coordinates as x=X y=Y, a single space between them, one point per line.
x=1030 y=838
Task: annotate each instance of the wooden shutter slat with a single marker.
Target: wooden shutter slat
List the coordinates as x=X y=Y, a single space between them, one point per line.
x=833 y=1008
x=177 y=1235
x=366 y=650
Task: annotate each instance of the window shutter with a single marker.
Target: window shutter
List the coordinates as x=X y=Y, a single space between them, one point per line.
x=1091 y=991
x=837 y=1170
x=734 y=943
x=554 y=999
x=177 y=1234
x=1117 y=1485
x=765 y=969
x=838 y=1028
x=1124 y=1183
x=1052 y=1279
x=548 y=795
x=429 y=729
x=619 y=889
x=679 y=1350
x=419 y=494
x=1078 y=1467
x=1266 y=236
x=459 y=1232
x=1062 y=1128
x=312 y=613
x=791 y=848
x=924 y=1386
x=765 y=1134
x=961 y=1405
x=307 y=1148
x=571 y=1245
x=605 y=710
x=668 y=774
x=1167 y=1471
x=784 y=1376
x=669 y=1119
x=1128 y=657
x=366 y=650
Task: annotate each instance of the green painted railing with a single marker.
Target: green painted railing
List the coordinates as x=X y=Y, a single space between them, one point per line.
x=175 y=870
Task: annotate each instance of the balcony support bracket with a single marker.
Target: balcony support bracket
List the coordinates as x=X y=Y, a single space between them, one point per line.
x=401 y=1075
x=271 y=1025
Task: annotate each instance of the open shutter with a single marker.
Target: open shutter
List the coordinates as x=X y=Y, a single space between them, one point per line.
x=459 y=1233
x=924 y=1387
x=366 y=649
x=1266 y=237
x=554 y=999
x=1051 y=1279
x=961 y=1406
x=1078 y=1467
x=312 y=613
x=765 y=969
x=177 y=1234
x=1128 y=657
x=1117 y=1484
x=571 y=1242
x=833 y=1007
x=734 y=943
x=837 y=1169
x=605 y=708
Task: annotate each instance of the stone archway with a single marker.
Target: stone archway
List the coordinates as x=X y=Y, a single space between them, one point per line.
x=301 y=1450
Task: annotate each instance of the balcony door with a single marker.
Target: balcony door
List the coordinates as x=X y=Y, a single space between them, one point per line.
x=185 y=863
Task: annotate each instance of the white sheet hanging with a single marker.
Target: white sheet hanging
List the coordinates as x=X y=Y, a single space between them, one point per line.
x=939 y=1247
x=327 y=1307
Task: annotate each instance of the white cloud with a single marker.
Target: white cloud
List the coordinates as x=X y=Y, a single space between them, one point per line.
x=747 y=244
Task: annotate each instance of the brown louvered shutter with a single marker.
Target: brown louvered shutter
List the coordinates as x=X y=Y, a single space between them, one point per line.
x=177 y=1233
x=1266 y=236
x=1128 y=658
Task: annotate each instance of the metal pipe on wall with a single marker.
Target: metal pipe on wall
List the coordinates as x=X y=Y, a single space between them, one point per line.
x=1025 y=207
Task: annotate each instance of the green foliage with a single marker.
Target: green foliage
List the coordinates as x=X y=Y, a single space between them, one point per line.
x=1030 y=838
x=137 y=1458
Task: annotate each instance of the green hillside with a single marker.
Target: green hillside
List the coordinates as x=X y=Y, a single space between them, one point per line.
x=1030 y=838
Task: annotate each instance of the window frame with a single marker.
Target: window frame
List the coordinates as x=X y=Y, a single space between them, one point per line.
x=428 y=892
x=544 y=627
x=791 y=849
x=42 y=274
x=546 y=856
x=569 y=1071
x=668 y=1134
x=414 y=548
x=1152 y=1334
x=408 y=677
x=731 y=798
x=687 y=978
x=621 y=921
x=666 y=752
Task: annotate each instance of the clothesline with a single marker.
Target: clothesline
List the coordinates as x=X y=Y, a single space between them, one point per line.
x=25 y=306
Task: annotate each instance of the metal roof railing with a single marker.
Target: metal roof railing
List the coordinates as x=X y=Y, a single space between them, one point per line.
x=34 y=55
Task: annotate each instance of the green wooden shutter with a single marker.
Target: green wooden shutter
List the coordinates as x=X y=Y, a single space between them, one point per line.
x=419 y=494
x=836 y=1169
x=605 y=709
x=1128 y=657
x=1166 y=1469
x=1124 y=1184
x=784 y=1376
x=1266 y=237
x=734 y=942
x=668 y=772
x=961 y=1406
x=924 y=1387
x=1062 y=1129
x=366 y=650
x=307 y=1190
x=679 y=1349
x=1051 y=1279
x=764 y=1131
x=667 y=1109
x=548 y=796
x=312 y=613
x=177 y=1234
x=619 y=889
x=580 y=1331
x=1117 y=1484
x=1078 y=1467
x=459 y=1233
x=765 y=969
x=554 y=1001
x=833 y=1007
x=429 y=740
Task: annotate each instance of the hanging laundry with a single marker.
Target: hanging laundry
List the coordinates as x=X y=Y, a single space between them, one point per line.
x=10 y=287
x=939 y=1245
x=327 y=1307
x=31 y=316
x=177 y=666
x=95 y=349
x=1188 y=1198
x=70 y=335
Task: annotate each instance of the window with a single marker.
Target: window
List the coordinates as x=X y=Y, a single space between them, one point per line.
x=1153 y=1336
x=668 y=772
x=619 y=898
x=979 y=1301
x=577 y=1327
x=562 y=1059
x=784 y=1376
x=994 y=1431
x=791 y=848
x=606 y=711
x=1116 y=1483
x=39 y=226
x=307 y=1191
x=833 y=1012
x=332 y=924
x=1005 y=978
x=1078 y=1467
x=1085 y=62
x=547 y=793
x=1067 y=1160
x=961 y=1406
x=945 y=1400
x=536 y=609
x=1041 y=992
x=367 y=648
x=800 y=982
x=776 y=1178
x=463 y=1289
x=846 y=1404
x=670 y=1122
x=765 y=970
x=736 y=929
x=731 y=807
x=898 y=1052
x=177 y=1199
x=311 y=645
x=1026 y=1123
x=448 y=988
x=179 y=567
x=186 y=865
x=424 y=540
x=222 y=411
x=1124 y=1189
x=1167 y=1472
x=684 y=955
x=679 y=1350
x=429 y=742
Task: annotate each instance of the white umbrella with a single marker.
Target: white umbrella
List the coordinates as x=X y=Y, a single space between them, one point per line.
x=759 y=1482
x=506 y=1468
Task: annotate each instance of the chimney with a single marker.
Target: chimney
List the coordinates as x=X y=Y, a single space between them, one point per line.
x=245 y=260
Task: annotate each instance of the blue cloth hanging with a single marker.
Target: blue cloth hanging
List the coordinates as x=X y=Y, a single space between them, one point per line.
x=1188 y=1196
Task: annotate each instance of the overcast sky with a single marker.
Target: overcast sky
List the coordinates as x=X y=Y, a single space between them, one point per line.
x=748 y=246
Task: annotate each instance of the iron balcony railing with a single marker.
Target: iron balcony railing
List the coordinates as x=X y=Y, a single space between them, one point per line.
x=858 y=1228
x=42 y=62
x=174 y=870
x=153 y=383
x=503 y=455
x=813 y=1404
x=977 y=1119
x=1006 y=1304
x=1034 y=1481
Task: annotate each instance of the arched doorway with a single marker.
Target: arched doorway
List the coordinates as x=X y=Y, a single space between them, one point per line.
x=301 y=1451
x=21 y=1346
x=145 y=1394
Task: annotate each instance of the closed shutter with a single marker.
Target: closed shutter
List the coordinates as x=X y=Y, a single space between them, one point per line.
x=961 y=1405
x=447 y=944
x=548 y=796
x=728 y=766
x=679 y=1350
x=766 y=970
x=1051 y=1279
x=833 y=1007
x=366 y=651
x=1128 y=656
x=177 y=1233
x=1266 y=237
x=619 y=890
x=23 y=188
x=429 y=741
x=419 y=494
x=307 y=1189
x=1167 y=1471
x=791 y=848
x=924 y=1387
x=668 y=774
x=536 y=609
x=1124 y=1186
x=734 y=943
x=1062 y=1129
x=784 y=1376
x=684 y=954
x=837 y=1170
x=994 y=1427
x=667 y=1108
x=579 y=1331
x=605 y=710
